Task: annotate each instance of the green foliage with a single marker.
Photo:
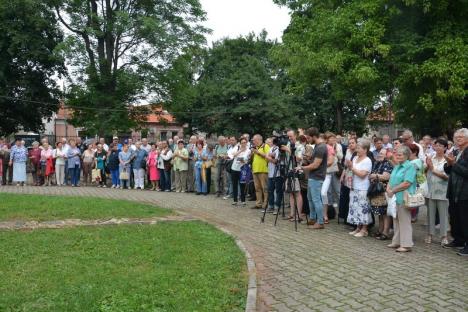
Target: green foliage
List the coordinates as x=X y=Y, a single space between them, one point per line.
x=120 y=50
x=411 y=55
x=29 y=36
x=43 y=208
x=231 y=88
x=431 y=58
x=185 y=266
x=328 y=51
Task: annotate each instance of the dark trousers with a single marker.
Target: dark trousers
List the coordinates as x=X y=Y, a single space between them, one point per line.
x=220 y=178
x=343 y=207
x=36 y=173
x=7 y=172
x=164 y=179
x=235 y=175
x=305 y=202
x=167 y=180
x=275 y=186
x=458 y=217
x=208 y=179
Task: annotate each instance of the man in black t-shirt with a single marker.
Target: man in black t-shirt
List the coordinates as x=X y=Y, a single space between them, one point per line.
x=317 y=170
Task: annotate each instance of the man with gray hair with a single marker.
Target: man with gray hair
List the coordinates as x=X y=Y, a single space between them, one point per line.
x=221 y=157
x=408 y=139
x=457 y=193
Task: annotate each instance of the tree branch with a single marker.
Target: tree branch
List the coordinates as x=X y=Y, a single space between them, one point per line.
x=76 y=31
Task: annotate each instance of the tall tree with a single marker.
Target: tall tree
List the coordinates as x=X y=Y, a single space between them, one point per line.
x=120 y=50
x=428 y=64
x=232 y=87
x=29 y=35
x=331 y=46
x=410 y=55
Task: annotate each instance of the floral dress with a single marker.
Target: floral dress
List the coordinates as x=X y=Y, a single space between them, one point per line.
x=359 y=207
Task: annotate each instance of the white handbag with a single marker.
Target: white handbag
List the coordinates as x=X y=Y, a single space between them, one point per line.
x=413 y=200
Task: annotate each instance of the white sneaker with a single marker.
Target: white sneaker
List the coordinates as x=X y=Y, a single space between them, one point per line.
x=234 y=204
x=243 y=203
x=113 y=186
x=135 y=188
x=226 y=197
x=104 y=186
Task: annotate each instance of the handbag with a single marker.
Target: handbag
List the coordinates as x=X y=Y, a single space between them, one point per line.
x=228 y=165
x=376 y=188
x=413 y=200
x=123 y=175
x=208 y=164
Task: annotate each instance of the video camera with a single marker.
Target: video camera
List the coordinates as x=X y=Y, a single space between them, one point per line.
x=282 y=139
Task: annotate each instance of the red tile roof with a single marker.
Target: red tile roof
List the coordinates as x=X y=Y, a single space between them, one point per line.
x=382 y=114
x=160 y=115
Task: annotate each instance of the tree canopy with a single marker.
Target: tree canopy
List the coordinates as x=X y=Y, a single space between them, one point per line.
x=29 y=35
x=232 y=87
x=407 y=54
x=119 y=50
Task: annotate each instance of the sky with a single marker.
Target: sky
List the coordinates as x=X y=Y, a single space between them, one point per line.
x=232 y=18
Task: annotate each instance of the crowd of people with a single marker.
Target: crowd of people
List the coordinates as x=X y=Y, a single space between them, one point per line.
x=363 y=179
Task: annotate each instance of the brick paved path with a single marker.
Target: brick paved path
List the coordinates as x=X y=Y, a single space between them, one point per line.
x=326 y=270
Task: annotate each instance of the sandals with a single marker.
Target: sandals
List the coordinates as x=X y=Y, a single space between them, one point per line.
x=403 y=249
x=326 y=221
x=428 y=240
x=393 y=246
x=361 y=234
x=382 y=237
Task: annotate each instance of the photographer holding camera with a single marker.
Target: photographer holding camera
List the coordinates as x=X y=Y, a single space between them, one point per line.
x=275 y=179
x=260 y=171
x=293 y=149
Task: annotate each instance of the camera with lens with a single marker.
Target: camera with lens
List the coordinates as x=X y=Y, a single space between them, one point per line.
x=296 y=174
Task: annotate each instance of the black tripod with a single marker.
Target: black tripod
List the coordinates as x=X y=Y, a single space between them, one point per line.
x=289 y=178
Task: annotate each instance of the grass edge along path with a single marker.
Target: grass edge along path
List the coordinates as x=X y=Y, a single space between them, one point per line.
x=25 y=207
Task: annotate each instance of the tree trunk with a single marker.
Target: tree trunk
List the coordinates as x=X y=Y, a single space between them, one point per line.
x=339 y=117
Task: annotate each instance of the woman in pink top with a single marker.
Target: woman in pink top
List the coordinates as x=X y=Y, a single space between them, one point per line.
x=152 y=162
x=47 y=154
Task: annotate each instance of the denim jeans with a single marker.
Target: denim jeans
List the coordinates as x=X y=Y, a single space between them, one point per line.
x=115 y=176
x=74 y=174
x=200 y=186
x=275 y=185
x=315 y=200
x=167 y=180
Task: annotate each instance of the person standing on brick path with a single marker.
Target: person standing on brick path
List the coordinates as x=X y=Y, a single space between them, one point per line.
x=260 y=171
x=18 y=158
x=457 y=192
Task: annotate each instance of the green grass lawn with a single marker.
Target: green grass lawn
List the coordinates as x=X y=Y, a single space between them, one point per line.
x=42 y=208
x=173 y=266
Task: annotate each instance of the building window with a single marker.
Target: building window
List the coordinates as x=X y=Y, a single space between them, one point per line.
x=163 y=135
